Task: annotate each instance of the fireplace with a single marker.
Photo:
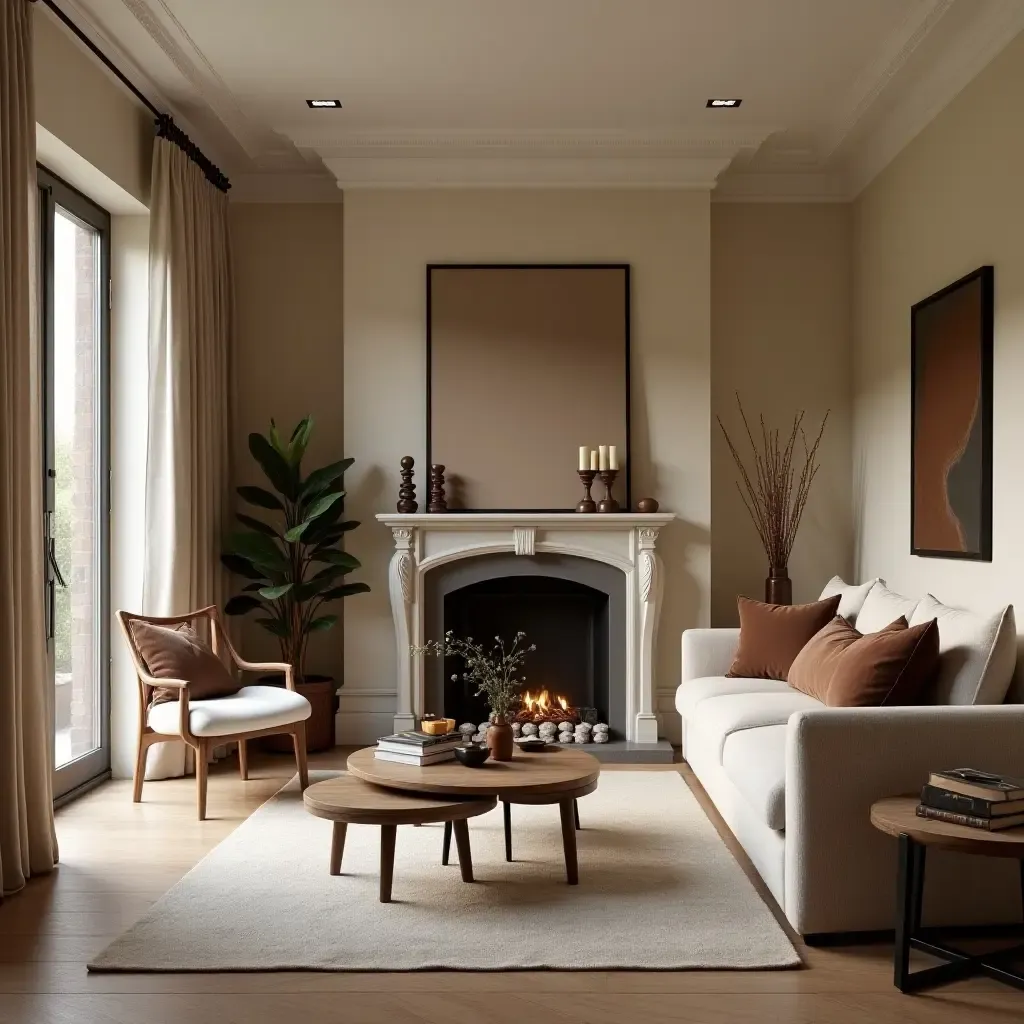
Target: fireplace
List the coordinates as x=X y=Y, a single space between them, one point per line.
x=572 y=609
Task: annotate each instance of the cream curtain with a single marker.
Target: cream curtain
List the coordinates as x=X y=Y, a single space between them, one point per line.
x=187 y=468
x=28 y=845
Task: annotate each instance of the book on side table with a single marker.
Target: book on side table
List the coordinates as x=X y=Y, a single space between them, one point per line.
x=417 y=748
x=975 y=799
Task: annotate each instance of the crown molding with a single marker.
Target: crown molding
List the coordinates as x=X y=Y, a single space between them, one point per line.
x=502 y=159
x=988 y=34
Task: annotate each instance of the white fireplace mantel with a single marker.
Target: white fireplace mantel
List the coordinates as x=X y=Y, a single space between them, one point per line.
x=624 y=540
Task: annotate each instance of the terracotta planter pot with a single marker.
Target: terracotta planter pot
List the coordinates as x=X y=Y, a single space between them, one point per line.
x=499 y=740
x=319 y=691
x=778 y=587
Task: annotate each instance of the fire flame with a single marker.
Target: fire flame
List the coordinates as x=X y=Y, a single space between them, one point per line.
x=542 y=702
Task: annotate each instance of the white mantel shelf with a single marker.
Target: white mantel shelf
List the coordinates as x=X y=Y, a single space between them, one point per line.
x=626 y=540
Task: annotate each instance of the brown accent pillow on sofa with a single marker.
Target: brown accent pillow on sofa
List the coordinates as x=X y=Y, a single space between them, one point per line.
x=813 y=668
x=179 y=653
x=772 y=635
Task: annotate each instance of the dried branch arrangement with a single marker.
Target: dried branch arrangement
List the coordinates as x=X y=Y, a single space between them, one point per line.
x=775 y=490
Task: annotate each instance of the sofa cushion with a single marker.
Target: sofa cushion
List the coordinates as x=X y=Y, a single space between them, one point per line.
x=716 y=718
x=882 y=606
x=772 y=635
x=851 y=596
x=693 y=691
x=754 y=761
x=250 y=709
x=977 y=652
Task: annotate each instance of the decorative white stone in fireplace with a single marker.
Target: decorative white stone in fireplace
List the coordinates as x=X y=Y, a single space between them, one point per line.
x=624 y=540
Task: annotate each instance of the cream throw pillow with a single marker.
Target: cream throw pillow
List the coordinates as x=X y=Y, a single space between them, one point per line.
x=977 y=652
x=882 y=606
x=851 y=596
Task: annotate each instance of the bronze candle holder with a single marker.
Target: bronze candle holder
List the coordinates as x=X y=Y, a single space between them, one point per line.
x=608 y=503
x=587 y=504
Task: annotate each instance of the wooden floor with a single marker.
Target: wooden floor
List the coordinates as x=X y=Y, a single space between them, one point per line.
x=117 y=858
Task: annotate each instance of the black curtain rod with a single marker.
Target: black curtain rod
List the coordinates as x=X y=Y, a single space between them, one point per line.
x=165 y=126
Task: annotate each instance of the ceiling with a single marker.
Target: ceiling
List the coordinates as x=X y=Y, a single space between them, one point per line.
x=552 y=92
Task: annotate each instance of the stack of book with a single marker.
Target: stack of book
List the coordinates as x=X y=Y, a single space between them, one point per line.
x=964 y=796
x=417 y=748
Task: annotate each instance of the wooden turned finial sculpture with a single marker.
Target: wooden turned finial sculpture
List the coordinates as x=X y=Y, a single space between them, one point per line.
x=407 y=489
x=437 y=501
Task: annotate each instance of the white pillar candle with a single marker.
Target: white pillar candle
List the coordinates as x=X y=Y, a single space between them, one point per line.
x=613 y=457
x=593 y=459
x=602 y=456
x=584 y=457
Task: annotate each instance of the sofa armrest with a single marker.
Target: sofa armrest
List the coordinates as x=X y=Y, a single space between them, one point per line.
x=708 y=652
x=839 y=761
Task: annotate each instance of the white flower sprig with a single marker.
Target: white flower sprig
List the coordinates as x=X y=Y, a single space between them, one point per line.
x=495 y=673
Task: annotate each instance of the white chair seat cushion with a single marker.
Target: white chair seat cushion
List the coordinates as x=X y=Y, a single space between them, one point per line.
x=717 y=718
x=693 y=691
x=251 y=709
x=977 y=653
x=754 y=761
x=882 y=606
x=851 y=596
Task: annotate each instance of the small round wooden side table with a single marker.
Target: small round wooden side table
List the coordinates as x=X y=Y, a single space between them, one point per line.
x=897 y=816
x=348 y=801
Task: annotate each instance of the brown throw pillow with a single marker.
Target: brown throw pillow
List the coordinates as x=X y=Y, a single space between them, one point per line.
x=772 y=635
x=813 y=668
x=887 y=668
x=179 y=653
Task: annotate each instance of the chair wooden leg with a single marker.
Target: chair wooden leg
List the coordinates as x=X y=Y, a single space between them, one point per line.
x=243 y=760
x=140 y=769
x=299 y=743
x=201 y=770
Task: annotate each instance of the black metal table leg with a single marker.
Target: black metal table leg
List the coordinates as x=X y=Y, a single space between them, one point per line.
x=507 y=812
x=909 y=894
x=447 y=844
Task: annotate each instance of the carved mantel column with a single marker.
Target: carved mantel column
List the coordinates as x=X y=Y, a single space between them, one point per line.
x=650 y=582
x=402 y=584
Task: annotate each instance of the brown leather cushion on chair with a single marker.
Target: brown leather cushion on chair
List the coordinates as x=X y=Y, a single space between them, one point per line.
x=179 y=653
x=772 y=635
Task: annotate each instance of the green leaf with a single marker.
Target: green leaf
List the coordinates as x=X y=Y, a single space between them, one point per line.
x=336 y=557
x=274 y=464
x=257 y=524
x=262 y=551
x=258 y=496
x=275 y=627
x=295 y=533
x=241 y=604
x=321 y=478
x=346 y=590
x=324 y=524
x=251 y=588
x=273 y=593
x=300 y=440
x=241 y=566
x=275 y=441
x=322 y=623
x=322 y=504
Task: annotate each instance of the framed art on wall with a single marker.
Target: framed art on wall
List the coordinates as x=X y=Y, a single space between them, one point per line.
x=951 y=420
x=526 y=363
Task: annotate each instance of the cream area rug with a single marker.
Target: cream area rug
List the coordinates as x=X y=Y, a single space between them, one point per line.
x=658 y=890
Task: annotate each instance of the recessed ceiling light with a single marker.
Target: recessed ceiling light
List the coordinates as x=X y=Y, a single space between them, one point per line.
x=324 y=104
x=724 y=103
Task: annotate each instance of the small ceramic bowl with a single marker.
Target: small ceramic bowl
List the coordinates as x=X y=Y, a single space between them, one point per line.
x=437 y=726
x=532 y=743
x=472 y=756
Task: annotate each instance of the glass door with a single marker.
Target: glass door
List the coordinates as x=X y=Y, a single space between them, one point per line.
x=74 y=293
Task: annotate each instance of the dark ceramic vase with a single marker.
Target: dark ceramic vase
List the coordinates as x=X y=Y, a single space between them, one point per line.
x=778 y=587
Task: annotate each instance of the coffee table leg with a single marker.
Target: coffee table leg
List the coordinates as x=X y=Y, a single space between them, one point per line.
x=909 y=894
x=337 y=846
x=446 y=845
x=576 y=814
x=507 y=811
x=387 y=860
x=462 y=845
x=572 y=872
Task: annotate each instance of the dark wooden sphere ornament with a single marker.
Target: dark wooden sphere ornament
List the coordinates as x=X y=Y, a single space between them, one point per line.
x=647 y=505
x=587 y=503
x=407 y=489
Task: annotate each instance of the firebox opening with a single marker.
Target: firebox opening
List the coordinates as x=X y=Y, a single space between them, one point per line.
x=568 y=622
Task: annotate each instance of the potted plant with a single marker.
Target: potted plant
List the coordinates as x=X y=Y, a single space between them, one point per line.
x=495 y=673
x=294 y=564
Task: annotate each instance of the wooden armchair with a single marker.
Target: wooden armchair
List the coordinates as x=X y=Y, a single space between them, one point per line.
x=253 y=711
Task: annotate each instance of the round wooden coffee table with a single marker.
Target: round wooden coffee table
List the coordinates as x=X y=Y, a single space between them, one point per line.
x=348 y=801
x=559 y=776
x=897 y=816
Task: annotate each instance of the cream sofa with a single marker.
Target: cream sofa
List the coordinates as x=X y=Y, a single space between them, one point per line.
x=794 y=779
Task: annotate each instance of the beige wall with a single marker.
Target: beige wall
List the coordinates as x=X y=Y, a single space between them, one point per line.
x=288 y=357
x=389 y=237
x=950 y=202
x=81 y=104
x=780 y=336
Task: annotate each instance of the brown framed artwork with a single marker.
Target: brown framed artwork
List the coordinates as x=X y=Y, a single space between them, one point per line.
x=951 y=420
x=526 y=363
